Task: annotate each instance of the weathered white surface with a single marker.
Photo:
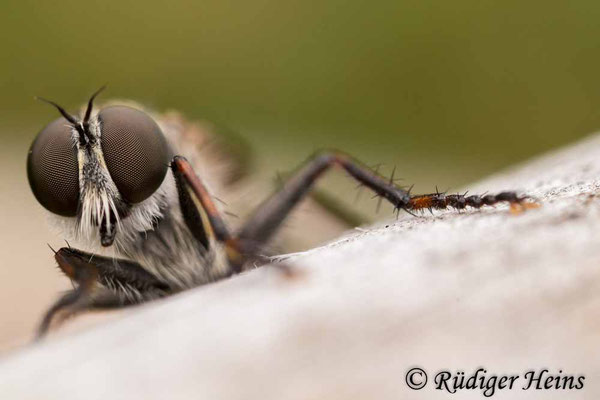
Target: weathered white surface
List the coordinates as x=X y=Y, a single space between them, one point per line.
x=449 y=291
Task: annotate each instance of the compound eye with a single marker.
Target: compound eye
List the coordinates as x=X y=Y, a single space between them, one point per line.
x=53 y=170
x=135 y=151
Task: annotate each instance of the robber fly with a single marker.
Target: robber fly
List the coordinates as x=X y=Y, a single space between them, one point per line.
x=116 y=181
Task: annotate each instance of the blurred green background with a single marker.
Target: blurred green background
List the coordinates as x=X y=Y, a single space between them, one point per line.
x=449 y=91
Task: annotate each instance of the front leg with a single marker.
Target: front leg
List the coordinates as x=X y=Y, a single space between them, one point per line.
x=202 y=216
x=101 y=283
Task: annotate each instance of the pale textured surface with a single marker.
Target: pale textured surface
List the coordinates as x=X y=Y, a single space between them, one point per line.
x=449 y=291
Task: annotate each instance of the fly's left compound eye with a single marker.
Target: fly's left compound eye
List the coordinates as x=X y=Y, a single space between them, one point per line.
x=135 y=151
x=53 y=170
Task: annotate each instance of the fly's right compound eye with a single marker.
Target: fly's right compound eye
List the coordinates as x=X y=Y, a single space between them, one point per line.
x=135 y=150
x=53 y=170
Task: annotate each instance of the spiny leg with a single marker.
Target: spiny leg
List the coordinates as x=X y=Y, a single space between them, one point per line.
x=462 y=201
x=84 y=275
x=269 y=216
x=101 y=282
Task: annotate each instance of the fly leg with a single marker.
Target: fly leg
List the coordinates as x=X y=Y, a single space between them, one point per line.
x=201 y=215
x=205 y=222
x=269 y=216
x=101 y=283
x=85 y=277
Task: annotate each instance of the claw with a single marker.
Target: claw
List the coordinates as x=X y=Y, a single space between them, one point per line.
x=518 y=208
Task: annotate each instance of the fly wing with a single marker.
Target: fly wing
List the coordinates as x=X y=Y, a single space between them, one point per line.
x=220 y=156
x=224 y=161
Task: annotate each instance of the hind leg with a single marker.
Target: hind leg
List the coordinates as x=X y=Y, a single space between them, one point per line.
x=265 y=221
